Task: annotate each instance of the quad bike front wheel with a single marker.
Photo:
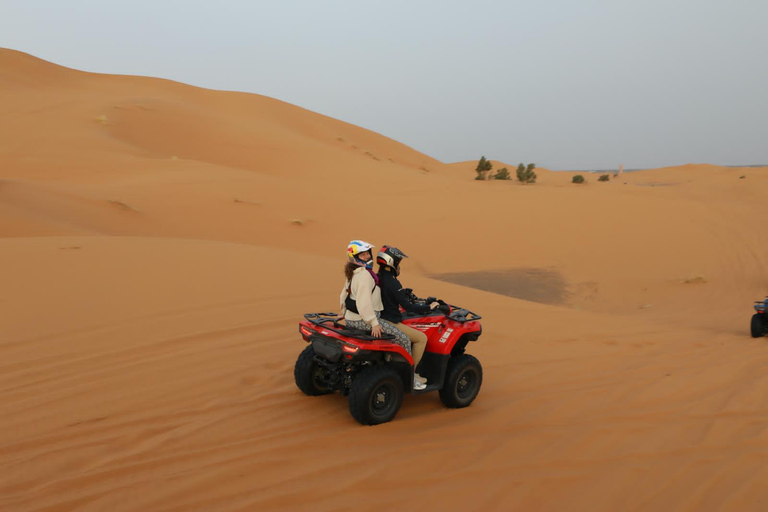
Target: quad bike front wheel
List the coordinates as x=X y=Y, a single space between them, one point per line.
x=376 y=395
x=758 y=325
x=462 y=381
x=308 y=374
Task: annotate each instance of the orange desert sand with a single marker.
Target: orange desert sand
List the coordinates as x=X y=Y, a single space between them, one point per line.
x=159 y=244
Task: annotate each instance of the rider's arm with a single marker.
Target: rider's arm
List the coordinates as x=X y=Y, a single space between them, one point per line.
x=409 y=306
x=343 y=299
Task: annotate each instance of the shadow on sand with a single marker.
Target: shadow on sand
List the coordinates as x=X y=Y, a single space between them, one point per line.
x=546 y=286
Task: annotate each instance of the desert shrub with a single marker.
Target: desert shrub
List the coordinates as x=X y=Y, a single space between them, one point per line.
x=577 y=179
x=603 y=177
x=502 y=174
x=525 y=173
x=483 y=166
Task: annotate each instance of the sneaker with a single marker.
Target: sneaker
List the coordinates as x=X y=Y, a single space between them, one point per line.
x=421 y=379
x=418 y=385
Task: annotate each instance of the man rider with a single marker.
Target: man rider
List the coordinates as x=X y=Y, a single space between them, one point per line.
x=393 y=296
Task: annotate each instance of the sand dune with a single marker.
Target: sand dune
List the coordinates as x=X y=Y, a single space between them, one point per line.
x=159 y=243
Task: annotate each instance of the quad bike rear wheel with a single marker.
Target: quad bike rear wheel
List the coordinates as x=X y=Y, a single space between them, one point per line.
x=758 y=326
x=376 y=395
x=308 y=374
x=462 y=381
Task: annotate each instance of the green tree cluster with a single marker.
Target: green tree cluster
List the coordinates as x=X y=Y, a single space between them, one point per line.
x=483 y=166
x=502 y=174
x=525 y=173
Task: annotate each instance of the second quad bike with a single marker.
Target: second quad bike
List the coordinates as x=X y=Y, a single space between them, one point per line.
x=759 y=324
x=375 y=373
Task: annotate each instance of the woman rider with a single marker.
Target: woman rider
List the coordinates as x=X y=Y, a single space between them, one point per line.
x=361 y=298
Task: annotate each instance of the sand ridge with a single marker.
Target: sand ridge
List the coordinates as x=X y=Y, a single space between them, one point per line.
x=159 y=243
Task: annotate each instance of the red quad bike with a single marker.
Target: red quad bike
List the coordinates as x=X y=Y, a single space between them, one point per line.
x=376 y=372
x=759 y=325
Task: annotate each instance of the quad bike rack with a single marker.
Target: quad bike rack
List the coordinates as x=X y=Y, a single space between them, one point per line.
x=329 y=321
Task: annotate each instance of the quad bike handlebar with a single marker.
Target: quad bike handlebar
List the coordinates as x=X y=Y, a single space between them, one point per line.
x=453 y=312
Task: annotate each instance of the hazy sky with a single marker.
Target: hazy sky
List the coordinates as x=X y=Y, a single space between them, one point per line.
x=565 y=84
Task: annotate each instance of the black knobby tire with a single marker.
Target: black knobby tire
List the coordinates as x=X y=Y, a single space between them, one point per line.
x=462 y=381
x=758 y=325
x=307 y=372
x=376 y=395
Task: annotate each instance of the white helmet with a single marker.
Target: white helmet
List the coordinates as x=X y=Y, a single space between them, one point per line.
x=355 y=249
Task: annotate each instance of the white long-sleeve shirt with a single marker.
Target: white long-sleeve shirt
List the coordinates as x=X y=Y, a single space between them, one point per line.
x=367 y=297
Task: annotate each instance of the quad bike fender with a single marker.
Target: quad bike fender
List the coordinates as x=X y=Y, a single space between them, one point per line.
x=335 y=346
x=453 y=337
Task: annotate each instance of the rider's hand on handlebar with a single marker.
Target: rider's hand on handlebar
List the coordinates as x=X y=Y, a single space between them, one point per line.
x=434 y=305
x=376 y=331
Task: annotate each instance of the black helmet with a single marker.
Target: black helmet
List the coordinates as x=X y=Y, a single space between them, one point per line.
x=390 y=257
